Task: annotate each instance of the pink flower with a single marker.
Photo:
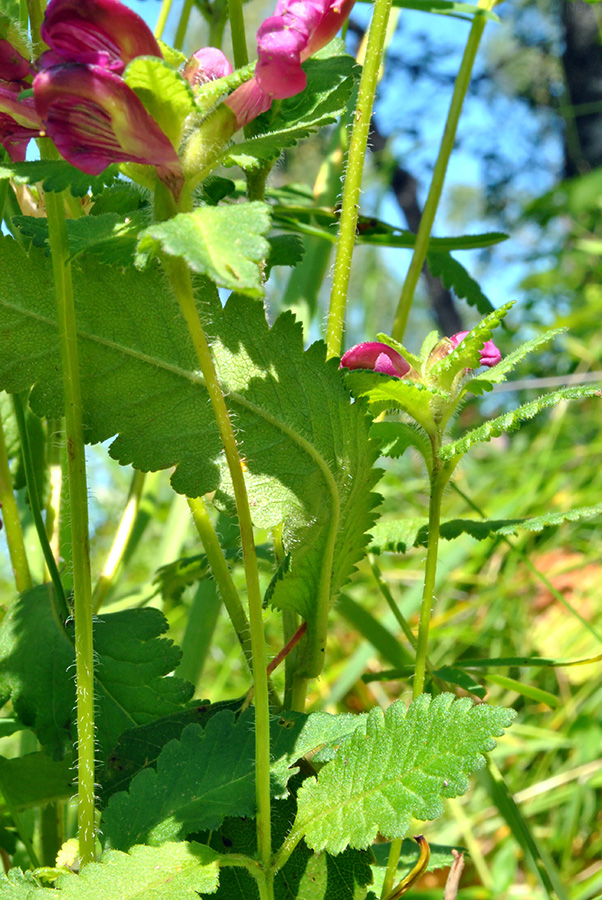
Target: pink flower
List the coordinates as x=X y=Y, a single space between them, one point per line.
x=298 y=29
x=490 y=354
x=15 y=138
x=376 y=356
x=205 y=65
x=13 y=66
x=19 y=121
x=98 y=32
x=95 y=119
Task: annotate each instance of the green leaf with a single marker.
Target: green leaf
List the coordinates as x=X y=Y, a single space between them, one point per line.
x=57 y=175
x=225 y=243
x=166 y=95
x=139 y=748
x=209 y=774
x=18 y=885
x=467 y=355
x=456 y=278
x=131 y=687
x=309 y=459
x=512 y=420
x=384 y=393
x=285 y=250
x=404 y=765
x=396 y=535
x=498 y=373
x=36 y=779
x=445 y=8
x=110 y=236
x=396 y=437
x=177 y=871
x=330 y=81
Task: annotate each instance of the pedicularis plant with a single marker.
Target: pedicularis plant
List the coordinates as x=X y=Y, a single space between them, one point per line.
x=112 y=327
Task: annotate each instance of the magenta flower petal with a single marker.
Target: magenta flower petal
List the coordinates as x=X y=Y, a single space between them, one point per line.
x=205 y=65
x=103 y=32
x=95 y=119
x=376 y=356
x=22 y=111
x=247 y=102
x=15 y=138
x=13 y=66
x=490 y=354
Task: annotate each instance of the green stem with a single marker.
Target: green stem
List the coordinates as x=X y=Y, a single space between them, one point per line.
x=183 y=24
x=162 y=19
x=78 y=504
x=12 y=523
x=35 y=9
x=237 y=27
x=55 y=477
x=434 y=195
x=221 y=573
x=353 y=176
x=438 y=482
x=179 y=276
x=120 y=541
x=62 y=607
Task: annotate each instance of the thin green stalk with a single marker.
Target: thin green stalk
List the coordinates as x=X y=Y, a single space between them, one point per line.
x=12 y=523
x=62 y=609
x=78 y=504
x=221 y=573
x=183 y=24
x=162 y=19
x=179 y=276
x=434 y=195
x=237 y=28
x=377 y=35
x=35 y=9
x=120 y=541
x=438 y=482
x=55 y=477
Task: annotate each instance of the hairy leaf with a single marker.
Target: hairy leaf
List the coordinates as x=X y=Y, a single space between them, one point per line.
x=384 y=392
x=308 y=456
x=330 y=81
x=209 y=774
x=510 y=421
x=407 y=761
x=396 y=437
x=225 y=243
x=166 y=95
x=456 y=278
x=131 y=687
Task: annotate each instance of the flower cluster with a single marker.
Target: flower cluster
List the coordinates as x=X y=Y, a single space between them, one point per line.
x=94 y=118
x=382 y=358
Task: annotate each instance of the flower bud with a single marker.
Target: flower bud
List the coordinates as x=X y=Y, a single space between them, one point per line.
x=378 y=357
x=205 y=65
x=490 y=354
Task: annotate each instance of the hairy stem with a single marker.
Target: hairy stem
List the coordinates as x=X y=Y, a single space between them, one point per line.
x=434 y=194
x=12 y=523
x=179 y=276
x=353 y=176
x=78 y=502
x=221 y=573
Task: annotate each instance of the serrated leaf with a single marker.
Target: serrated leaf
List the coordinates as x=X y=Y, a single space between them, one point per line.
x=396 y=535
x=18 y=885
x=512 y=420
x=57 y=175
x=467 y=355
x=285 y=250
x=166 y=95
x=225 y=243
x=109 y=236
x=395 y=438
x=131 y=687
x=209 y=774
x=36 y=779
x=177 y=871
x=384 y=393
x=309 y=459
x=329 y=85
x=498 y=373
x=456 y=278
x=139 y=748
x=408 y=760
